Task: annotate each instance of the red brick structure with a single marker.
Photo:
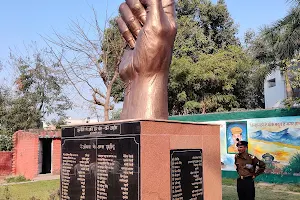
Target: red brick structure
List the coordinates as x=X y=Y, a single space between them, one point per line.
x=36 y=152
x=5 y=162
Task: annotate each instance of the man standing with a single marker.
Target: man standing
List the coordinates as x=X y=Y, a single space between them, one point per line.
x=246 y=166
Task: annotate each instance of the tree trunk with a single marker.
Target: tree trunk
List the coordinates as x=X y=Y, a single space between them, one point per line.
x=288 y=86
x=107 y=103
x=106 y=112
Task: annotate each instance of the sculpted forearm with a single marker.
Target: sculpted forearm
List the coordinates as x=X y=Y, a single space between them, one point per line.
x=145 y=65
x=146 y=98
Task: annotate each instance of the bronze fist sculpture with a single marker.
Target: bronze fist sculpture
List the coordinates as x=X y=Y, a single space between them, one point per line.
x=149 y=27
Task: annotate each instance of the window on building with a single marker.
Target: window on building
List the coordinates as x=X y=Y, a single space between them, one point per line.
x=272 y=83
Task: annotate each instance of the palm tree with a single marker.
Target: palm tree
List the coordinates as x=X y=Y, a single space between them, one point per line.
x=285 y=33
x=280 y=43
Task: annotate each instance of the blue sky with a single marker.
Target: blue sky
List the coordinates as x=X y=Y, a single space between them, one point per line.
x=24 y=21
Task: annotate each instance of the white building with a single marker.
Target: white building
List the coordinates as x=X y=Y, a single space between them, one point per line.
x=80 y=121
x=274 y=89
x=70 y=122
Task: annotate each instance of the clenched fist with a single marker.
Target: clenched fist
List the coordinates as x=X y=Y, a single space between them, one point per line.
x=149 y=27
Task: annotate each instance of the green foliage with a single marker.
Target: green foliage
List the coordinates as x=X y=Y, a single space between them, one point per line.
x=199 y=76
x=203 y=27
x=210 y=72
x=41 y=84
x=115 y=115
x=217 y=82
x=294 y=164
x=59 y=122
x=39 y=92
x=21 y=114
x=277 y=46
x=284 y=34
x=16 y=179
x=6 y=143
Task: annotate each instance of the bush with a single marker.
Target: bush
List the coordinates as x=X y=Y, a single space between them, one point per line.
x=294 y=164
x=6 y=143
x=16 y=179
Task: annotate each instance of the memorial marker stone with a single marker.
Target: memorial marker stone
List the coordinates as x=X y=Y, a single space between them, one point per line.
x=101 y=162
x=186 y=174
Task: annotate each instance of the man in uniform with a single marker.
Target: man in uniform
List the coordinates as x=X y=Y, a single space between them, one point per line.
x=246 y=166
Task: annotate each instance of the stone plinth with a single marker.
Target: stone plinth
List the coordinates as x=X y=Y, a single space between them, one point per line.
x=141 y=160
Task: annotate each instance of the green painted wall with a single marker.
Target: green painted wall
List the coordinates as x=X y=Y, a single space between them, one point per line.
x=228 y=116
x=238 y=115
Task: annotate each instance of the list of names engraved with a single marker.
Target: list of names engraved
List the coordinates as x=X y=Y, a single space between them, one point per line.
x=127 y=171
x=68 y=162
x=197 y=175
x=100 y=168
x=176 y=179
x=186 y=175
x=105 y=163
x=83 y=169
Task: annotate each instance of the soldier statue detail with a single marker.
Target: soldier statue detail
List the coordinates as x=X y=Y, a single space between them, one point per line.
x=246 y=166
x=149 y=28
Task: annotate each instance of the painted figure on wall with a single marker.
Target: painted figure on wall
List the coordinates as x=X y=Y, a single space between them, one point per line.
x=269 y=160
x=277 y=141
x=274 y=140
x=236 y=131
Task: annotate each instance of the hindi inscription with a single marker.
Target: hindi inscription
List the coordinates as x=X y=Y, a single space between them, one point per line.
x=104 y=166
x=186 y=175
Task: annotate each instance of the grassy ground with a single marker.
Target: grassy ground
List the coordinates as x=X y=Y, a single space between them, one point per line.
x=263 y=191
x=229 y=193
x=42 y=190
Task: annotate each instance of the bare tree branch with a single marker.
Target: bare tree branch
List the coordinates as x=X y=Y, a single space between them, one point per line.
x=89 y=55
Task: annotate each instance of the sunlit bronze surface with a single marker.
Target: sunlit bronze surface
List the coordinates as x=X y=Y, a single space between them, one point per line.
x=149 y=28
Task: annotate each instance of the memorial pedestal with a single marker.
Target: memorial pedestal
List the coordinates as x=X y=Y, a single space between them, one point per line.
x=141 y=160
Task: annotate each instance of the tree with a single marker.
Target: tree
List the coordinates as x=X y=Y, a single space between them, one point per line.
x=284 y=34
x=116 y=115
x=217 y=82
x=90 y=58
x=277 y=46
x=15 y=114
x=38 y=93
x=203 y=28
x=40 y=83
x=210 y=71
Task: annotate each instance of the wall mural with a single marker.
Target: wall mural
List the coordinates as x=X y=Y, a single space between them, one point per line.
x=274 y=140
x=234 y=131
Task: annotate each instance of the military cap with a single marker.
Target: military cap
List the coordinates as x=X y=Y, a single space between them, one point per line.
x=241 y=143
x=268 y=155
x=236 y=130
